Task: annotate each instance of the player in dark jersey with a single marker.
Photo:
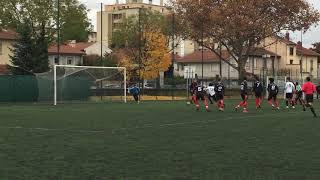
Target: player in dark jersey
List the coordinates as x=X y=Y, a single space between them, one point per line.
x=244 y=96
x=258 y=89
x=273 y=91
x=219 y=89
x=192 y=89
x=200 y=94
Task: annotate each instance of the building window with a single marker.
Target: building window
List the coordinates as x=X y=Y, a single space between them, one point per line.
x=291 y=51
x=311 y=65
x=254 y=63
x=70 y=60
x=291 y=61
x=56 y=60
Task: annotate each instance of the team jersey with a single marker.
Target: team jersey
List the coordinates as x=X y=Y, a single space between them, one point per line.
x=199 y=90
x=298 y=88
x=244 y=87
x=257 y=87
x=309 y=88
x=273 y=89
x=289 y=88
x=219 y=88
x=210 y=90
x=192 y=87
x=134 y=90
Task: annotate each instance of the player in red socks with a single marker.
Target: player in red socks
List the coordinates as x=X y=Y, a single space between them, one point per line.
x=273 y=91
x=258 y=89
x=200 y=95
x=219 y=89
x=244 y=96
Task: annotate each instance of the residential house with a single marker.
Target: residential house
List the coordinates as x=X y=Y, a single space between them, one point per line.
x=7 y=38
x=295 y=59
x=259 y=61
x=70 y=54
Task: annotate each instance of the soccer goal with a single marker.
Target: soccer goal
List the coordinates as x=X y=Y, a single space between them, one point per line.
x=89 y=84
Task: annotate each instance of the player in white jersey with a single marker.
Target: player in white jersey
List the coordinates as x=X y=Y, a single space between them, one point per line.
x=289 y=90
x=211 y=93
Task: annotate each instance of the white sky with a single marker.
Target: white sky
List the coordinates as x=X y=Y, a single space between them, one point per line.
x=313 y=35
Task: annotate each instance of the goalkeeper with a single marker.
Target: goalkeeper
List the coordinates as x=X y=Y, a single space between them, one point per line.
x=135 y=92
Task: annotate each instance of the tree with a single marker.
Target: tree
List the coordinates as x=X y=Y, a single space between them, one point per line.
x=239 y=26
x=75 y=22
x=40 y=53
x=316 y=47
x=73 y=17
x=22 y=58
x=143 y=50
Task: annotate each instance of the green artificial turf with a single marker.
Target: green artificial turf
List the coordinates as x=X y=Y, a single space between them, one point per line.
x=157 y=141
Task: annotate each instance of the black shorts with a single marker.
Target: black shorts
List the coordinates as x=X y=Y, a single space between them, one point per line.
x=244 y=97
x=299 y=95
x=200 y=97
x=214 y=98
x=258 y=94
x=289 y=95
x=272 y=96
x=219 y=97
x=309 y=98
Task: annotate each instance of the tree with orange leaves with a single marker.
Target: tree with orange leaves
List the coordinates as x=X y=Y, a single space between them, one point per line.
x=143 y=51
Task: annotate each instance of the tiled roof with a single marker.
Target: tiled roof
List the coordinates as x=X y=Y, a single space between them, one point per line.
x=208 y=57
x=8 y=35
x=306 y=52
x=260 y=52
x=68 y=49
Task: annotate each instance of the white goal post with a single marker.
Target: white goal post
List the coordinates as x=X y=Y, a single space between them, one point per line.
x=76 y=69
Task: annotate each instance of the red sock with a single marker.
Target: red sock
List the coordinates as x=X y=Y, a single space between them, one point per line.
x=222 y=103
x=206 y=104
x=241 y=104
x=277 y=103
x=245 y=104
x=270 y=102
x=257 y=102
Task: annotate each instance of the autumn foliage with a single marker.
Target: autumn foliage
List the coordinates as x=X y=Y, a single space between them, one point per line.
x=239 y=25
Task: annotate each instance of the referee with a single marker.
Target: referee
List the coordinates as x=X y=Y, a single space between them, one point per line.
x=309 y=89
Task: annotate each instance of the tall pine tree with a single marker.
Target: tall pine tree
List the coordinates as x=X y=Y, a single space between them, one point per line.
x=22 y=51
x=40 y=52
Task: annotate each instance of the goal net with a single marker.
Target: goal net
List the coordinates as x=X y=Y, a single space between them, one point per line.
x=89 y=84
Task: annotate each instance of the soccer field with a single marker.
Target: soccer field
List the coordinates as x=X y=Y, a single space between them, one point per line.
x=157 y=141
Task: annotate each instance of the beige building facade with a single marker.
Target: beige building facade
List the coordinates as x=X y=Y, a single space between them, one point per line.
x=294 y=57
x=113 y=16
x=7 y=38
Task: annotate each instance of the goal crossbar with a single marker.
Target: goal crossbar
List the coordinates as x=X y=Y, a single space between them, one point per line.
x=89 y=67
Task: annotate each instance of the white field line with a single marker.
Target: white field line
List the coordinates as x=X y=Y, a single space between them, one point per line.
x=135 y=128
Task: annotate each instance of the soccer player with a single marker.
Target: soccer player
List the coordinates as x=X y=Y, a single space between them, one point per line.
x=135 y=91
x=211 y=93
x=200 y=95
x=273 y=91
x=192 y=90
x=298 y=92
x=309 y=88
x=219 y=89
x=258 y=89
x=289 y=89
x=244 y=96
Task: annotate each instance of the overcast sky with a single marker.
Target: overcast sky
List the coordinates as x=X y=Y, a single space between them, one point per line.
x=313 y=35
